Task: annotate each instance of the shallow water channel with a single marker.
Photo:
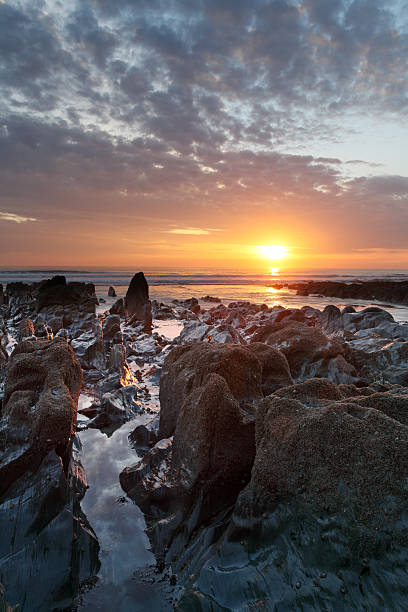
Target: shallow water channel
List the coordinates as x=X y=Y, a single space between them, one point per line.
x=125 y=579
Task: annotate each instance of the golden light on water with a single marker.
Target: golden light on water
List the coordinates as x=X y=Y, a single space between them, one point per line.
x=273 y=290
x=273 y=251
x=275 y=271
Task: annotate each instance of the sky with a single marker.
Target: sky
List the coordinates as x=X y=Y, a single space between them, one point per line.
x=192 y=132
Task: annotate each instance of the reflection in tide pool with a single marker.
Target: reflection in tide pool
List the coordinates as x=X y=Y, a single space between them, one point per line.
x=119 y=526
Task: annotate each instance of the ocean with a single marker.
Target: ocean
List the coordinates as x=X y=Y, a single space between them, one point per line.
x=228 y=285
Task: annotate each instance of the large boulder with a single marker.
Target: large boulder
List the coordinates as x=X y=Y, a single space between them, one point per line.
x=322 y=524
x=137 y=303
x=186 y=368
x=213 y=450
x=40 y=405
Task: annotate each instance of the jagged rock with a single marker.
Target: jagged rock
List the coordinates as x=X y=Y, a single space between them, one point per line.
x=40 y=405
x=111 y=326
x=45 y=533
x=116 y=408
x=57 y=291
x=186 y=367
x=118 y=308
x=195 y=331
x=137 y=303
x=212 y=453
x=111 y=292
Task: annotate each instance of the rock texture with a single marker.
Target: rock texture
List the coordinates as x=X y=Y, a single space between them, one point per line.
x=39 y=407
x=186 y=368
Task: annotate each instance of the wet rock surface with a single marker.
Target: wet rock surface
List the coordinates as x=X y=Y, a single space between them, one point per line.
x=273 y=477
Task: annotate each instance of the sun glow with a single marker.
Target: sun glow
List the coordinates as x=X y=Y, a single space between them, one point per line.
x=273 y=251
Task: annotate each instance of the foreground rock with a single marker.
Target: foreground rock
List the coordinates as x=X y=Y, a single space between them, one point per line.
x=39 y=407
x=320 y=520
x=208 y=397
x=44 y=532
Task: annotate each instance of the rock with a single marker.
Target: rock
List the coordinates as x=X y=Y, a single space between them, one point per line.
x=310 y=353
x=137 y=303
x=21 y=292
x=186 y=368
x=275 y=367
x=40 y=405
x=385 y=291
x=331 y=318
x=210 y=298
x=56 y=324
x=116 y=408
x=110 y=326
x=25 y=329
x=4 y=606
x=213 y=445
x=323 y=518
x=57 y=291
x=89 y=349
x=111 y=292
x=42 y=331
x=194 y=331
x=146 y=436
x=152 y=470
x=366 y=319
x=45 y=533
x=118 y=308
x=211 y=456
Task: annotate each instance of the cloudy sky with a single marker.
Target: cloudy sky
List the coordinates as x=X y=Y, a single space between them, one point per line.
x=186 y=132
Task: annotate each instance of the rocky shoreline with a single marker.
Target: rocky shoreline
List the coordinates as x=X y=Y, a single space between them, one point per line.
x=388 y=292
x=272 y=446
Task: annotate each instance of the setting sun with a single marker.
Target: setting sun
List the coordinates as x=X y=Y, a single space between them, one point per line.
x=273 y=251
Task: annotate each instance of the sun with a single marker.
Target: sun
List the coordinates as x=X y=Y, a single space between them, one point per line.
x=273 y=251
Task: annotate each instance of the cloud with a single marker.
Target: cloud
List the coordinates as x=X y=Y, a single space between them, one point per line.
x=111 y=110
x=7 y=216
x=192 y=231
